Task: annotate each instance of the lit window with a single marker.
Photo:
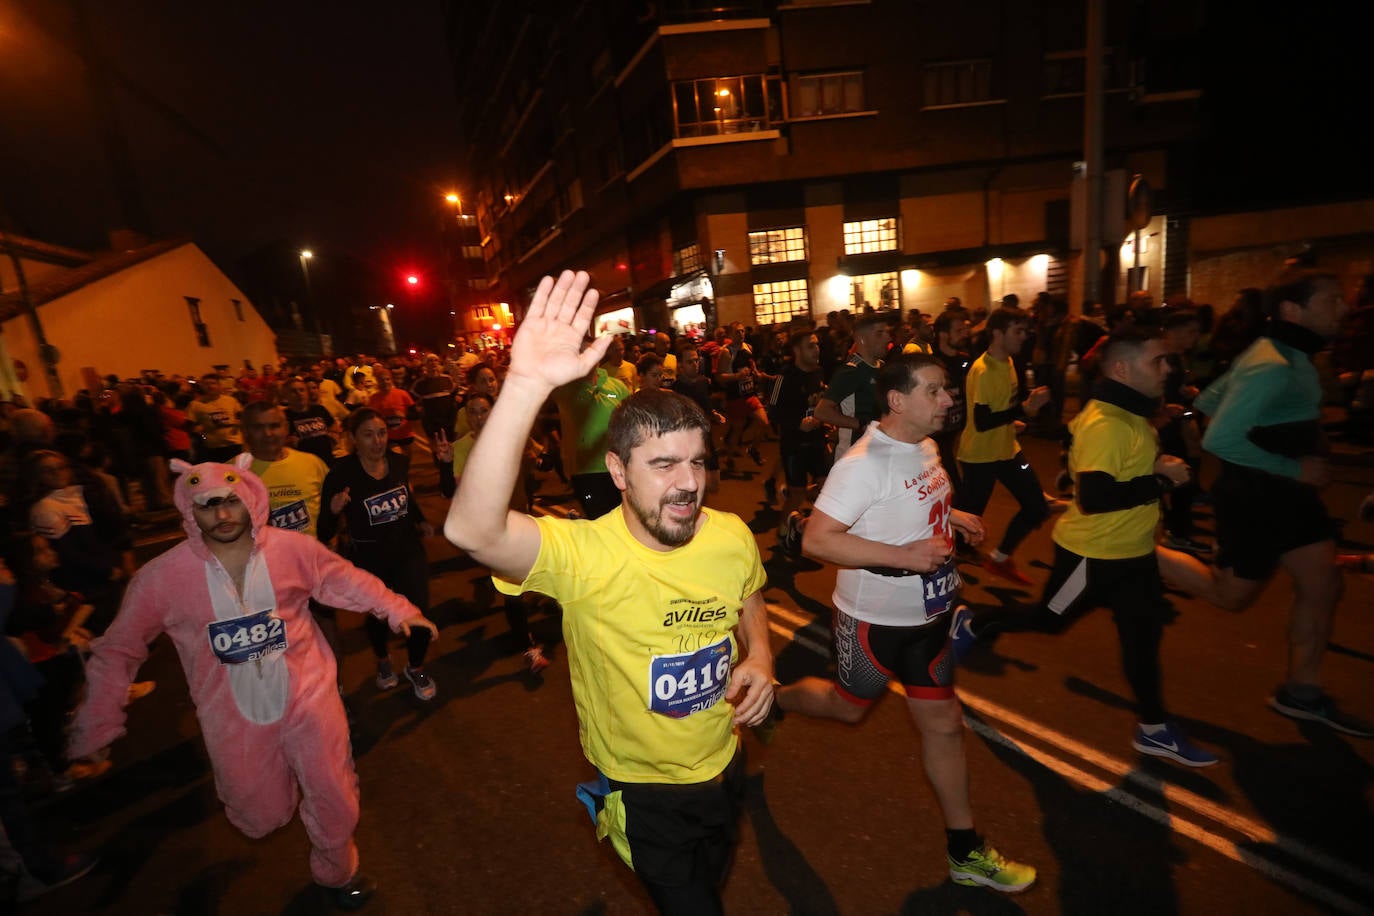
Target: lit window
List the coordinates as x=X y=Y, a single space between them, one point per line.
x=726 y=105
x=959 y=82
x=774 y=246
x=828 y=94
x=882 y=291
x=864 y=236
x=778 y=302
x=687 y=259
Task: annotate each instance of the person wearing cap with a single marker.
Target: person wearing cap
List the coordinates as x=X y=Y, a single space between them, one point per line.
x=233 y=599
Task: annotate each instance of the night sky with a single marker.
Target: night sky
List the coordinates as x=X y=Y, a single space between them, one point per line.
x=248 y=123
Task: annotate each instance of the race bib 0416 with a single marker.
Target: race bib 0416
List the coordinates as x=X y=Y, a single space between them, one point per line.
x=680 y=685
x=247 y=638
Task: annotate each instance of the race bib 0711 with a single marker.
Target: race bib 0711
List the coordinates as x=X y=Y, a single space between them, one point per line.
x=292 y=516
x=247 y=638
x=680 y=685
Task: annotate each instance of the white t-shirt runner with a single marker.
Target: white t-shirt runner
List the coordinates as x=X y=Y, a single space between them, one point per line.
x=894 y=493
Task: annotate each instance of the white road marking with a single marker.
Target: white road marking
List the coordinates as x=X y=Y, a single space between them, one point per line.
x=1252 y=830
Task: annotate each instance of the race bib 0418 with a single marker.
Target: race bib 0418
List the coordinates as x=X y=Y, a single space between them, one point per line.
x=680 y=685
x=247 y=638
x=388 y=506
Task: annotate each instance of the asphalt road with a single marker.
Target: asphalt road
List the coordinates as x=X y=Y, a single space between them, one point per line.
x=468 y=800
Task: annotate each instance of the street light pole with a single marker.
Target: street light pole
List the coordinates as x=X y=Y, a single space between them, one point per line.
x=306 y=254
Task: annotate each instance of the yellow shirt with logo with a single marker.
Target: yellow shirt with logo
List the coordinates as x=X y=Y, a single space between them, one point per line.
x=991 y=381
x=293 y=483
x=650 y=640
x=1115 y=441
x=218 y=420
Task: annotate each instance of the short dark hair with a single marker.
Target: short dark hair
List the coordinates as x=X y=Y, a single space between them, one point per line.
x=945 y=320
x=899 y=374
x=1181 y=318
x=253 y=409
x=1003 y=318
x=1298 y=288
x=647 y=362
x=360 y=416
x=797 y=339
x=1125 y=343
x=652 y=412
x=866 y=321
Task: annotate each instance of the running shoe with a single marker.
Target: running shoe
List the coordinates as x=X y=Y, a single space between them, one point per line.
x=421 y=682
x=386 y=678
x=753 y=452
x=1356 y=562
x=1323 y=709
x=536 y=659
x=1006 y=569
x=1172 y=743
x=987 y=867
x=1189 y=546
x=354 y=894
x=961 y=637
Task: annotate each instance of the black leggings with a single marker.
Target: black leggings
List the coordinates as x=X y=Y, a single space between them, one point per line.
x=406 y=573
x=1018 y=477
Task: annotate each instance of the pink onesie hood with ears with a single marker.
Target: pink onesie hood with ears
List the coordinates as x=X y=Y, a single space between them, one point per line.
x=203 y=481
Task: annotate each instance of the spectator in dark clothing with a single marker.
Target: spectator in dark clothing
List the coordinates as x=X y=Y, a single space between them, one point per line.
x=1237 y=328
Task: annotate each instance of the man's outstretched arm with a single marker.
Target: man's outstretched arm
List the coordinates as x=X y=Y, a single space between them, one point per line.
x=546 y=353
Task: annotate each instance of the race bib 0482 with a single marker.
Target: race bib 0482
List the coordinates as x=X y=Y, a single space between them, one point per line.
x=680 y=685
x=247 y=638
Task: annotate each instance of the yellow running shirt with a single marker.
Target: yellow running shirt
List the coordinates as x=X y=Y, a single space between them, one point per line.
x=992 y=382
x=1115 y=441
x=293 y=484
x=650 y=641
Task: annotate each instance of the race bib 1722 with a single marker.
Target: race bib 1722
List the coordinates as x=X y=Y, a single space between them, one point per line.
x=941 y=588
x=247 y=638
x=680 y=685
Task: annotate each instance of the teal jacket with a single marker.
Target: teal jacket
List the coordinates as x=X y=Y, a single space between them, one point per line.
x=1266 y=411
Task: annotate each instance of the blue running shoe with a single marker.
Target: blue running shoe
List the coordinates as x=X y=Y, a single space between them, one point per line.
x=1172 y=743
x=961 y=637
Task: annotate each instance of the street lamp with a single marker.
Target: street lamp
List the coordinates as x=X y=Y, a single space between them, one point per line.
x=306 y=254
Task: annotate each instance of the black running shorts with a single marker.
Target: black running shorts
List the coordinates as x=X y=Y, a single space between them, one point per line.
x=868 y=655
x=1261 y=516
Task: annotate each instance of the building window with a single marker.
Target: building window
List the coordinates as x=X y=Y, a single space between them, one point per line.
x=726 y=105
x=238 y=309
x=882 y=291
x=828 y=94
x=686 y=260
x=609 y=163
x=1066 y=73
x=775 y=303
x=868 y=235
x=202 y=332
x=960 y=82
x=774 y=246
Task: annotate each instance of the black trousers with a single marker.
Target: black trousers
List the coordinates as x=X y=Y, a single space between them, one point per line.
x=1019 y=478
x=406 y=573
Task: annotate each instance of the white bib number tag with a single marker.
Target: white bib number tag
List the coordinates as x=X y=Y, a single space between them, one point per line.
x=941 y=588
x=387 y=507
x=292 y=516
x=680 y=685
x=247 y=638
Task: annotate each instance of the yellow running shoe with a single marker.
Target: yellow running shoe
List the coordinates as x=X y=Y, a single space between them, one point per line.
x=987 y=867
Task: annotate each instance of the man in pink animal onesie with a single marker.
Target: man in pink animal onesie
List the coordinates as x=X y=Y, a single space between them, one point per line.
x=233 y=598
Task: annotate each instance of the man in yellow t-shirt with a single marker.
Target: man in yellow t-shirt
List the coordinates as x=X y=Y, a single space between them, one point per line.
x=662 y=607
x=217 y=415
x=1105 y=543
x=988 y=450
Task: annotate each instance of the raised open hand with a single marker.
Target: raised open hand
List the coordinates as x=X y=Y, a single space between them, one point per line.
x=548 y=346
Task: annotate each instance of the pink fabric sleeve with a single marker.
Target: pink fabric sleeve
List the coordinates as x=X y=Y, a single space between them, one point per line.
x=341 y=584
x=115 y=660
